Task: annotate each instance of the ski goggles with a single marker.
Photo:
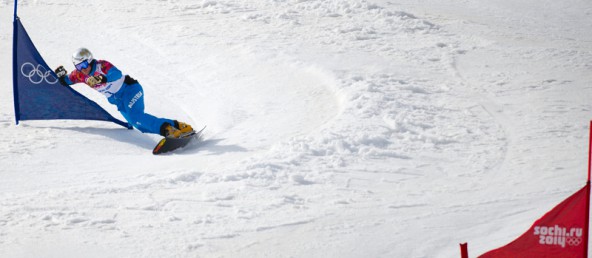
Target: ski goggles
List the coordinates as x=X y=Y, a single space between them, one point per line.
x=82 y=65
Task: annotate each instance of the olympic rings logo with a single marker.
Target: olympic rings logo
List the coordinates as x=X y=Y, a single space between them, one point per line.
x=37 y=74
x=574 y=241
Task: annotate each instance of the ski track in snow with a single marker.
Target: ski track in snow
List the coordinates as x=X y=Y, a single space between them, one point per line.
x=335 y=128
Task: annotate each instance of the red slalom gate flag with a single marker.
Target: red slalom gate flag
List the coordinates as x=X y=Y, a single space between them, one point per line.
x=562 y=232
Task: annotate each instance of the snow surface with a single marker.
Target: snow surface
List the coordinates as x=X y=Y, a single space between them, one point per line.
x=336 y=128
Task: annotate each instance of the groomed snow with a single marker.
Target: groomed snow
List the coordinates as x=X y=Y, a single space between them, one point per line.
x=335 y=128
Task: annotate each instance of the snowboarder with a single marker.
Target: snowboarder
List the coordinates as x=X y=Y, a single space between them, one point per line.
x=121 y=90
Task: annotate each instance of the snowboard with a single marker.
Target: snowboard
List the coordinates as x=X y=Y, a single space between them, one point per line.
x=171 y=144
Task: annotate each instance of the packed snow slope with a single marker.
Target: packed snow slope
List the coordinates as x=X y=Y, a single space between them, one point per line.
x=336 y=128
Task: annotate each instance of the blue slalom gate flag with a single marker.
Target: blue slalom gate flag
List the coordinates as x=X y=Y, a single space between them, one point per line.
x=38 y=94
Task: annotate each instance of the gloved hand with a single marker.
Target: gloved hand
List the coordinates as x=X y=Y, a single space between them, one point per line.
x=94 y=80
x=61 y=71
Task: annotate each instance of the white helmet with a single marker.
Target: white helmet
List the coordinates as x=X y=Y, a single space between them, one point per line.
x=81 y=55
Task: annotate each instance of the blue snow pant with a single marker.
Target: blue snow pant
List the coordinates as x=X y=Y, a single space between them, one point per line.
x=130 y=102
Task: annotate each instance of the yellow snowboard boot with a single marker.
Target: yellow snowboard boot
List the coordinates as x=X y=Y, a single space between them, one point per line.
x=169 y=131
x=183 y=127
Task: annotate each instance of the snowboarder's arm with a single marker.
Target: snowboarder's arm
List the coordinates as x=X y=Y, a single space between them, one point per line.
x=72 y=78
x=110 y=71
x=69 y=79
